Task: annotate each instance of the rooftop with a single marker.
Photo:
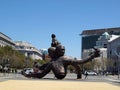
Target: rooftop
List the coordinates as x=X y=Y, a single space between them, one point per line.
x=100 y=31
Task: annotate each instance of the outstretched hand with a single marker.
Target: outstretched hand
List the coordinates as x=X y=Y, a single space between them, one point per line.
x=96 y=52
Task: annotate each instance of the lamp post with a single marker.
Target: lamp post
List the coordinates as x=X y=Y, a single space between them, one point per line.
x=102 y=62
x=118 y=67
x=118 y=55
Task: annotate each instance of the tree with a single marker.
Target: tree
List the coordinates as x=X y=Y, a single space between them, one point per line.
x=12 y=56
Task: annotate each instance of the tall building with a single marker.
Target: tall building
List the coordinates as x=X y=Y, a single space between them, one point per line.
x=89 y=37
x=5 y=40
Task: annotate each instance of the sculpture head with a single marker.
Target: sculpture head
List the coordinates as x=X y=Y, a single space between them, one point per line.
x=60 y=50
x=51 y=52
x=53 y=36
x=55 y=42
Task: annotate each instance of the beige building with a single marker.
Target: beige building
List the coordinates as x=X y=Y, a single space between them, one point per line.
x=5 y=40
x=21 y=46
x=27 y=49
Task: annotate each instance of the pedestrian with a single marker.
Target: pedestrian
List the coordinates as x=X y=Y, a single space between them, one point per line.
x=86 y=74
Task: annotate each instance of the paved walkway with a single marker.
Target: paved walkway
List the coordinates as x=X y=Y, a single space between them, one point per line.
x=55 y=85
x=14 y=82
x=113 y=78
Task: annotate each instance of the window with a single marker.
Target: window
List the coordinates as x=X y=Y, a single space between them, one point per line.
x=105 y=45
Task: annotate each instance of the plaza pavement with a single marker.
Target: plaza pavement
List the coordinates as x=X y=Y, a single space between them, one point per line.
x=55 y=85
x=15 y=83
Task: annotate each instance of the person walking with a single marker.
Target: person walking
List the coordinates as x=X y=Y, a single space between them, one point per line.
x=86 y=74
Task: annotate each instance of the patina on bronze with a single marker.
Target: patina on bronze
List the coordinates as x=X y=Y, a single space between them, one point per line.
x=59 y=62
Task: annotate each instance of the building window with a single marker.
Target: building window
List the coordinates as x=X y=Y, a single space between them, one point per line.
x=105 y=45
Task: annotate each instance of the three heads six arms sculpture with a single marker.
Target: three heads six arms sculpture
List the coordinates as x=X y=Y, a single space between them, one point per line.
x=59 y=62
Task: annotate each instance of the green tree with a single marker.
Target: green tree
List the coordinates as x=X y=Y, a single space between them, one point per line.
x=13 y=57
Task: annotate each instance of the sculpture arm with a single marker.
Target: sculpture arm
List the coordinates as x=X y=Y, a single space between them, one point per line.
x=70 y=60
x=43 y=72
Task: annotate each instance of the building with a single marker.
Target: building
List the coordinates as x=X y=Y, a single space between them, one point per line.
x=110 y=49
x=27 y=49
x=102 y=43
x=89 y=37
x=44 y=53
x=21 y=46
x=108 y=41
x=114 y=55
x=5 y=40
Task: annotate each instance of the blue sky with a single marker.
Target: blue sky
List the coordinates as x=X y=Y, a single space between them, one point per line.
x=35 y=20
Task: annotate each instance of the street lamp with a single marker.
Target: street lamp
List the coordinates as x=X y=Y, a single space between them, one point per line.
x=118 y=55
x=103 y=62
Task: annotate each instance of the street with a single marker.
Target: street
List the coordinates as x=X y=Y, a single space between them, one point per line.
x=72 y=77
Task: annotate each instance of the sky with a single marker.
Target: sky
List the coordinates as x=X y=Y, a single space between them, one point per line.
x=34 y=21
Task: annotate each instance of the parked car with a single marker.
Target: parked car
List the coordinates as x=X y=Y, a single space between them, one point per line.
x=90 y=73
x=27 y=70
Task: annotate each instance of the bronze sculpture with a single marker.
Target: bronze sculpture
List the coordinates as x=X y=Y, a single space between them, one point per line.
x=59 y=62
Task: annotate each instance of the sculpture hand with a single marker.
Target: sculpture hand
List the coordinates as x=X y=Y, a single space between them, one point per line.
x=96 y=52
